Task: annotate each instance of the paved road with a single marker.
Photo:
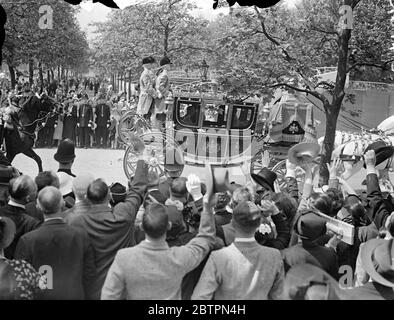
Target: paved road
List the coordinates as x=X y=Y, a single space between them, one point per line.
x=106 y=164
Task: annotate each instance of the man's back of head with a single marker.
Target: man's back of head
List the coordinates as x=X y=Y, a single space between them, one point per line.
x=80 y=185
x=50 y=201
x=22 y=189
x=178 y=189
x=241 y=194
x=246 y=218
x=46 y=179
x=97 y=192
x=155 y=221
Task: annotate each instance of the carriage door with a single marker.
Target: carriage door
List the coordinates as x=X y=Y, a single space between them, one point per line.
x=213 y=138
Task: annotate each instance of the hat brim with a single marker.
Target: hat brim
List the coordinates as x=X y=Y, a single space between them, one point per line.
x=366 y=254
x=383 y=154
x=61 y=159
x=9 y=232
x=313 y=149
x=262 y=182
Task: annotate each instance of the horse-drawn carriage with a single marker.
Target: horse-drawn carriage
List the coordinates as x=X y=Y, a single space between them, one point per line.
x=203 y=126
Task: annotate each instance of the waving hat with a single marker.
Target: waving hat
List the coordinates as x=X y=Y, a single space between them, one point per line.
x=265 y=178
x=303 y=151
x=382 y=151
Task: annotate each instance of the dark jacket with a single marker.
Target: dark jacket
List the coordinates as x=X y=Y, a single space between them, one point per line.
x=67 y=250
x=371 y=291
x=23 y=222
x=322 y=257
x=103 y=113
x=283 y=233
x=222 y=217
x=112 y=229
x=85 y=114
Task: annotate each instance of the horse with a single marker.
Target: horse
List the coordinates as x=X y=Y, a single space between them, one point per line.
x=21 y=138
x=350 y=147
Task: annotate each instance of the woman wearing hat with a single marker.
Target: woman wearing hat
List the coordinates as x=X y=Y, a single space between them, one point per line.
x=18 y=279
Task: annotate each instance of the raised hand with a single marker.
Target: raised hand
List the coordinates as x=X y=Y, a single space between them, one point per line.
x=265 y=159
x=334 y=167
x=268 y=208
x=193 y=185
x=370 y=158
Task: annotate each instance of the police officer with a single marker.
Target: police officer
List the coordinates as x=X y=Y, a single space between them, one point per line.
x=102 y=120
x=85 y=119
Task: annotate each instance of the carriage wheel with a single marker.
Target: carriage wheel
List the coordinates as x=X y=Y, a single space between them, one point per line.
x=162 y=149
x=131 y=123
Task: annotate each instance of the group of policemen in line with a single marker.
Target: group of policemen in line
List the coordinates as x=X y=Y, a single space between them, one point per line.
x=88 y=122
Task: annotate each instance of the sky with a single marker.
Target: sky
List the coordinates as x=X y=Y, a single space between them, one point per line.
x=97 y=12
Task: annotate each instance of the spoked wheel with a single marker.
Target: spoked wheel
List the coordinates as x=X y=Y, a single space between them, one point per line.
x=163 y=150
x=131 y=123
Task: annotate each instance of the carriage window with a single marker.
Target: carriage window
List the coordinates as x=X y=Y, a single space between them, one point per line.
x=188 y=113
x=242 y=117
x=215 y=116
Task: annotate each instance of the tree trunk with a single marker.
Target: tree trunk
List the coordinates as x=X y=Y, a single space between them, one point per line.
x=52 y=75
x=41 y=75
x=332 y=110
x=58 y=73
x=166 y=35
x=48 y=76
x=31 y=71
x=12 y=75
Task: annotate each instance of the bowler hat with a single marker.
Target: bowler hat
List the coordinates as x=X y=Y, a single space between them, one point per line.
x=147 y=60
x=377 y=258
x=303 y=151
x=118 y=192
x=65 y=151
x=164 y=61
x=8 y=229
x=265 y=178
x=382 y=151
x=309 y=225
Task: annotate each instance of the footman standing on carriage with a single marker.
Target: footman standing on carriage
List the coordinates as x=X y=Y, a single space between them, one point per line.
x=85 y=119
x=163 y=90
x=147 y=90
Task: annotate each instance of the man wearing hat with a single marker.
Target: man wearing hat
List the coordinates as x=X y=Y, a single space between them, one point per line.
x=377 y=259
x=85 y=119
x=65 y=155
x=310 y=227
x=103 y=113
x=265 y=180
x=147 y=90
x=162 y=88
x=245 y=269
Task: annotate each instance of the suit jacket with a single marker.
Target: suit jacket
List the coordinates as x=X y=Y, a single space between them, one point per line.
x=67 y=250
x=320 y=256
x=111 y=229
x=244 y=270
x=370 y=291
x=103 y=113
x=23 y=222
x=78 y=209
x=154 y=270
x=85 y=114
x=147 y=92
x=377 y=209
x=162 y=86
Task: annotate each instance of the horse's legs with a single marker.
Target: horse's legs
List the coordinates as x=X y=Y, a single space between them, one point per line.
x=31 y=154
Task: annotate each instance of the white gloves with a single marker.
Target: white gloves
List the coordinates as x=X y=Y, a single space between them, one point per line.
x=193 y=185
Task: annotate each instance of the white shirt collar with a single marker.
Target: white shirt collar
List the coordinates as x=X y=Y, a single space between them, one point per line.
x=252 y=239
x=14 y=204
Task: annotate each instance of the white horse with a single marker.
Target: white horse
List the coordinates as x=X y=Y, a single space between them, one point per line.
x=350 y=147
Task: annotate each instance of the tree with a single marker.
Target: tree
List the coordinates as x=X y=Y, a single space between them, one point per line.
x=64 y=46
x=280 y=47
x=164 y=28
